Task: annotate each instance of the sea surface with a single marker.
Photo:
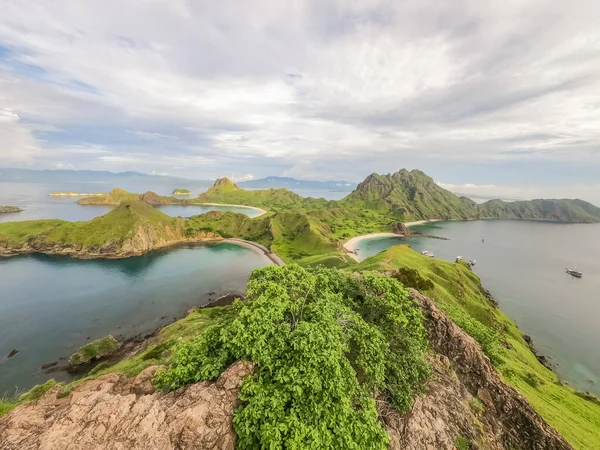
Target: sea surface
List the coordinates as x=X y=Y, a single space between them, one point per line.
x=523 y=264
x=52 y=305
x=36 y=202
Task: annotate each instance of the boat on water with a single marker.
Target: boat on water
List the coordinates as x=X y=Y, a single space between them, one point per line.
x=574 y=273
x=428 y=253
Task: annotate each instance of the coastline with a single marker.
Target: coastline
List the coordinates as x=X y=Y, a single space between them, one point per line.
x=352 y=243
x=260 y=210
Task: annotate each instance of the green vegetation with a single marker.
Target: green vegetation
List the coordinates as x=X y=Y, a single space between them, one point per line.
x=94 y=350
x=325 y=344
x=36 y=392
x=181 y=191
x=462 y=443
x=134 y=222
x=563 y=210
x=7 y=404
x=413 y=195
x=9 y=209
x=458 y=291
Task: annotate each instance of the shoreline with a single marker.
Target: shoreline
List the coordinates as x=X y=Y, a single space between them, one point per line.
x=260 y=210
x=352 y=243
x=274 y=257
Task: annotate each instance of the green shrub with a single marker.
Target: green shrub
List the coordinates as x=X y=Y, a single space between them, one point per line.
x=324 y=344
x=7 y=405
x=37 y=391
x=488 y=338
x=462 y=443
x=532 y=380
x=476 y=405
x=411 y=278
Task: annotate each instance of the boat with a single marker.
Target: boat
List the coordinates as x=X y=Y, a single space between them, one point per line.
x=428 y=253
x=574 y=273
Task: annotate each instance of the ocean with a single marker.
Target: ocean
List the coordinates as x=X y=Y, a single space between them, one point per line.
x=523 y=264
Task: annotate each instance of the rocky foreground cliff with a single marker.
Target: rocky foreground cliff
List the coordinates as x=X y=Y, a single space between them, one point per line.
x=465 y=403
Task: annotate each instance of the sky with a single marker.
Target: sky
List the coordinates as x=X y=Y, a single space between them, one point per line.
x=489 y=98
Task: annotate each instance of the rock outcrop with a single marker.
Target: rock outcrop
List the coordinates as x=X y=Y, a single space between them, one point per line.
x=117 y=412
x=466 y=397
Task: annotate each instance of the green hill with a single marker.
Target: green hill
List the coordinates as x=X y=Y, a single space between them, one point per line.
x=293 y=236
x=132 y=228
x=458 y=291
x=117 y=196
x=413 y=195
x=410 y=196
x=563 y=210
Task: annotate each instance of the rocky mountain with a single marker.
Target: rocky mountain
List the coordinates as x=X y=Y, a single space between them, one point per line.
x=415 y=196
x=410 y=195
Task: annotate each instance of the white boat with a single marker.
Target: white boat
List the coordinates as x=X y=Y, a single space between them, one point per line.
x=428 y=253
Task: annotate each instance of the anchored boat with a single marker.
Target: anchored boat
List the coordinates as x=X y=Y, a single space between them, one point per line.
x=574 y=273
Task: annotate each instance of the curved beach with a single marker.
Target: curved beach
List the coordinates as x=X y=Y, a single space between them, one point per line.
x=352 y=244
x=260 y=210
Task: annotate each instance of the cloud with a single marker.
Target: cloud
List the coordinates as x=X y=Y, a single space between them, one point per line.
x=326 y=89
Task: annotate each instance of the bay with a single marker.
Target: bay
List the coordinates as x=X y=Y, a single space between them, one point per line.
x=52 y=305
x=523 y=264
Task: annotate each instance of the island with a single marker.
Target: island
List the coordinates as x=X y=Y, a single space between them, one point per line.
x=75 y=194
x=9 y=209
x=332 y=352
x=180 y=191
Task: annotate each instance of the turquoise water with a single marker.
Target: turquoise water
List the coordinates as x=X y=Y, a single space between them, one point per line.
x=36 y=203
x=522 y=263
x=51 y=305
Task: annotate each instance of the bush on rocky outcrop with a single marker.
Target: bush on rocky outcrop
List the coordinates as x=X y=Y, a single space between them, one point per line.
x=325 y=344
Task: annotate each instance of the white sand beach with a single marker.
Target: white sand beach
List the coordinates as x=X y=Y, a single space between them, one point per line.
x=260 y=210
x=352 y=244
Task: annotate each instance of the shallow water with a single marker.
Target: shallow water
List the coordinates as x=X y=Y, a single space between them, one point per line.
x=52 y=305
x=522 y=263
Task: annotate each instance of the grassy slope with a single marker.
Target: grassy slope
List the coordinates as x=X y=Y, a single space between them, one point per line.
x=456 y=286
x=110 y=229
x=291 y=235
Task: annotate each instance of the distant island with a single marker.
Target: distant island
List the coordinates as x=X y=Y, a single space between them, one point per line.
x=75 y=194
x=9 y=209
x=180 y=191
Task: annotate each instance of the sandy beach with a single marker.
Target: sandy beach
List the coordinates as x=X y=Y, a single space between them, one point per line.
x=352 y=244
x=260 y=210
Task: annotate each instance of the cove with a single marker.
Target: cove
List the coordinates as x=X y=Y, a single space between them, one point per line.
x=52 y=305
x=522 y=263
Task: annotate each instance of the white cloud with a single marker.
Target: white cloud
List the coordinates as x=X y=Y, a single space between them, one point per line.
x=316 y=89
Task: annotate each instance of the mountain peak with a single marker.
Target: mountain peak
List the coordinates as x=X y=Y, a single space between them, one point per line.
x=225 y=182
